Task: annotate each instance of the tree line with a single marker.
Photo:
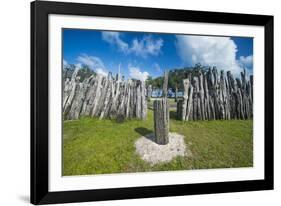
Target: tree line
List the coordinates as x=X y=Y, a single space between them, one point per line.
x=176 y=77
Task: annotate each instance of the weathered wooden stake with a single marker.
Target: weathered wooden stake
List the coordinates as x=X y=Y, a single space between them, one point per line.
x=161 y=116
x=149 y=92
x=210 y=96
x=176 y=93
x=104 y=97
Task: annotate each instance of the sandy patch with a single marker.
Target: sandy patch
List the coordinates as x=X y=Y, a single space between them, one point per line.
x=153 y=153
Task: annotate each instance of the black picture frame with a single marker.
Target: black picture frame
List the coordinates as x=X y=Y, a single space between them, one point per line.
x=39 y=102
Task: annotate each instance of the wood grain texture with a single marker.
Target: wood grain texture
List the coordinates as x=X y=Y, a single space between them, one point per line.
x=104 y=97
x=161 y=115
x=208 y=95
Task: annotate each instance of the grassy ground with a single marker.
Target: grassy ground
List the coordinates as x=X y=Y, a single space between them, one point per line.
x=92 y=146
x=172 y=103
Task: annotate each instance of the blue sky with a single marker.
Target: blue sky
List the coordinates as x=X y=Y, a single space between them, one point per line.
x=141 y=54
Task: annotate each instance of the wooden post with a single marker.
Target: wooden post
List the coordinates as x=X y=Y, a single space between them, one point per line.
x=176 y=93
x=149 y=92
x=165 y=84
x=161 y=115
x=209 y=96
x=161 y=121
x=185 y=98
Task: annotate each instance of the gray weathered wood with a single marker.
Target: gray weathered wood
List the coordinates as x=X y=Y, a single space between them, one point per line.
x=161 y=121
x=184 y=102
x=161 y=115
x=104 y=97
x=165 y=84
x=210 y=95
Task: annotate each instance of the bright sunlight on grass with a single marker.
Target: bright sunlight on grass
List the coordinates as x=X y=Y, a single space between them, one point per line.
x=93 y=146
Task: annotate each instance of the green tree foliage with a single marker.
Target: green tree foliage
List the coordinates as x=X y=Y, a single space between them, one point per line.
x=175 y=77
x=84 y=72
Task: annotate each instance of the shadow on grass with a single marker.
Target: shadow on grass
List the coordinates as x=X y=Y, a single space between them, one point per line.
x=143 y=131
x=147 y=133
x=173 y=115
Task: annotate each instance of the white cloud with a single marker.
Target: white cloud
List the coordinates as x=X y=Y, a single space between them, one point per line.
x=64 y=63
x=143 y=47
x=246 y=61
x=101 y=71
x=209 y=51
x=136 y=73
x=114 y=38
x=146 y=46
x=91 y=61
x=95 y=63
x=78 y=65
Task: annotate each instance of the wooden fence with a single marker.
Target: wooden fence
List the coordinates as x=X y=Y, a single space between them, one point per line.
x=209 y=96
x=103 y=97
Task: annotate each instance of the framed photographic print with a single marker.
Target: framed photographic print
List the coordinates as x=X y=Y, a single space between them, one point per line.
x=131 y=102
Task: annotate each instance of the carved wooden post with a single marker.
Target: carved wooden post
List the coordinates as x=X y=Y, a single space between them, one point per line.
x=161 y=115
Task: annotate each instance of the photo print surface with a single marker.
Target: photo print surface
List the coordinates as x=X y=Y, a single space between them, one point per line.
x=142 y=102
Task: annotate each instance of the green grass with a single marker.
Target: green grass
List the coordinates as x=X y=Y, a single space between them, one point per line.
x=92 y=146
x=172 y=103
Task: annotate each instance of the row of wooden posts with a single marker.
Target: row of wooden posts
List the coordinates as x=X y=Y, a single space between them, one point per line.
x=210 y=96
x=104 y=97
x=207 y=95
